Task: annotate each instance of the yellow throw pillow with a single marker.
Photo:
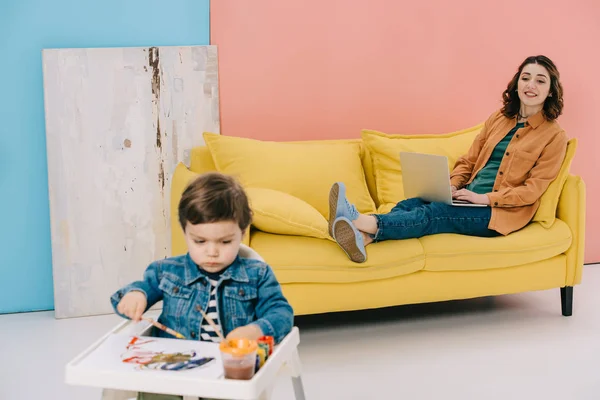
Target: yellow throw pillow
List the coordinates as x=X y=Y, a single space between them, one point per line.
x=274 y=212
x=304 y=170
x=546 y=213
x=385 y=152
x=284 y=214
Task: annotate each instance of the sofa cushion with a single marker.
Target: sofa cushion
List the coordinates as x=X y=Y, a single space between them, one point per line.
x=385 y=154
x=297 y=259
x=546 y=213
x=304 y=170
x=451 y=252
x=282 y=213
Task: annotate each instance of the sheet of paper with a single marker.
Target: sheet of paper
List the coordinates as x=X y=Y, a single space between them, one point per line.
x=109 y=356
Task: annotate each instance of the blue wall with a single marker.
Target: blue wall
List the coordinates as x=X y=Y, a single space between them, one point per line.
x=27 y=27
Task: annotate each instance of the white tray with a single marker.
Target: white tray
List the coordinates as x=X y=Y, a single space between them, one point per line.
x=200 y=383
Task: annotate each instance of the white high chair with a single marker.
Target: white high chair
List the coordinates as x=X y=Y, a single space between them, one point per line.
x=285 y=357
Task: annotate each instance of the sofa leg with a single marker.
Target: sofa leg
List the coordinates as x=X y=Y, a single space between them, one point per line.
x=566 y=298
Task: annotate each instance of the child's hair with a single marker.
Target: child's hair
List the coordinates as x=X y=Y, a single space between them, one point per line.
x=214 y=197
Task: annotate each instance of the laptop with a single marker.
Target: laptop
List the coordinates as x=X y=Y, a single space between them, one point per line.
x=426 y=176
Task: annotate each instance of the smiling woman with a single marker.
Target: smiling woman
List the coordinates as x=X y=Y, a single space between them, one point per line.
x=536 y=86
x=517 y=154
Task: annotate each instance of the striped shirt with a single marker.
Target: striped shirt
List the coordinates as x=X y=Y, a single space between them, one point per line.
x=207 y=332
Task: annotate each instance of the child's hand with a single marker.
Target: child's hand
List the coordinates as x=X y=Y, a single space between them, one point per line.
x=133 y=305
x=251 y=332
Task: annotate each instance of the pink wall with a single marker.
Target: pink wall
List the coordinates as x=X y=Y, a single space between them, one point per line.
x=306 y=69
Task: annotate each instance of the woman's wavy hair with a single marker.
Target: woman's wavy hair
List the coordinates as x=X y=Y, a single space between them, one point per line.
x=553 y=105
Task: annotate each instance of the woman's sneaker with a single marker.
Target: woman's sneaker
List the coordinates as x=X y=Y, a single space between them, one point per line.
x=349 y=239
x=339 y=206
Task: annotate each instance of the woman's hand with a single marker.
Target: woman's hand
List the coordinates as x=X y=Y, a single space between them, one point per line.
x=471 y=197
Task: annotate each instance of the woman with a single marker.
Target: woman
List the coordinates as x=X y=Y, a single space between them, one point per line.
x=517 y=154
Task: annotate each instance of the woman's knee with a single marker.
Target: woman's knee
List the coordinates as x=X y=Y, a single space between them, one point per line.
x=438 y=209
x=408 y=204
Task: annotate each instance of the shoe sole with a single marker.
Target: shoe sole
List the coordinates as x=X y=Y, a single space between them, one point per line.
x=334 y=195
x=345 y=237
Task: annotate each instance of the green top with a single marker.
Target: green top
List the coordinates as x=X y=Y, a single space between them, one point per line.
x=485 y=178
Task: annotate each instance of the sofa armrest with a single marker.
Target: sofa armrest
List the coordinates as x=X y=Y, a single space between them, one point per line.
x=571 y=209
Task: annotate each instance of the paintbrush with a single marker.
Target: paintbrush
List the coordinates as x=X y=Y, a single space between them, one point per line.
x=212 y=323
x=164 y=328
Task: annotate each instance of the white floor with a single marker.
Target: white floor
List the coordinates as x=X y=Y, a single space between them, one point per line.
x=509 y=347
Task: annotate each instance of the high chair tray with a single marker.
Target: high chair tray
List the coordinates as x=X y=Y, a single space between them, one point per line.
x=101 y=366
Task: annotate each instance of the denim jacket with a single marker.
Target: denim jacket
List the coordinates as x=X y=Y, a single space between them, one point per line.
x=247 y=292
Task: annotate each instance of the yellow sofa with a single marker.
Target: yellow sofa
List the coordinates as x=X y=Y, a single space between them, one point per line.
x=288 y=189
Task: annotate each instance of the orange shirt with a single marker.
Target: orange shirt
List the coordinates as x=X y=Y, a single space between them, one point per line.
x=531 y=162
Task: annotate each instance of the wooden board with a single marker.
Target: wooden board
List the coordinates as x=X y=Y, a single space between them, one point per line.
x=118 y=120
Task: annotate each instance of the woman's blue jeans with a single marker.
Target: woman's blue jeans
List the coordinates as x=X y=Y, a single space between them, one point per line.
x=415 y=218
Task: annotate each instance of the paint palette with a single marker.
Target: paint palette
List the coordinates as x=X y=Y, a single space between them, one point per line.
x=124 y=354
x=139 y=352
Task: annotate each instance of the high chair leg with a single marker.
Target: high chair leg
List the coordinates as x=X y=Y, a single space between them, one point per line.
x=296 y=369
